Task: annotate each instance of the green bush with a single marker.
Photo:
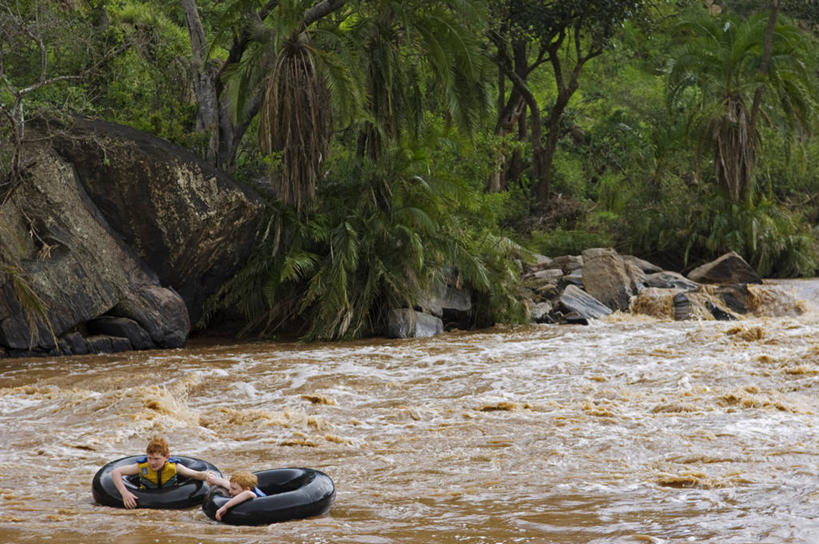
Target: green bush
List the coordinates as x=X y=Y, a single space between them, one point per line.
x=560 y=241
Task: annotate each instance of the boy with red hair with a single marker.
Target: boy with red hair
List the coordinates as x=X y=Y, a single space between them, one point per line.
x=156 y=470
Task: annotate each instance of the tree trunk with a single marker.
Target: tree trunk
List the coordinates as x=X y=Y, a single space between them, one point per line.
x=509 y=114
x=204 y=83
x=539 y=155
x=565 y=90
x=507 y=119
x=516 y=162
x=214 y=115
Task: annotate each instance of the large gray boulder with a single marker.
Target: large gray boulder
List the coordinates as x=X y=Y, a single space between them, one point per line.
x=191 y=224
x=729 y=268
x=63 y=261
x=606 y=278
x=409 y=323
x=446 y=298
x=121 y=327
x=114 y=240
x=646 y=266
x=576 y=300
x=667 y=279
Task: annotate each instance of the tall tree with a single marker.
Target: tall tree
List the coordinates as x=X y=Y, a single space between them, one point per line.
x=728 y=74
x=271 y=58
x=416 y=56
x=223 y=124
x=566 y=34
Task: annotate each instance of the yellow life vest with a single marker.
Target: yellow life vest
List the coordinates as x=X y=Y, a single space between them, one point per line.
x=149 y=479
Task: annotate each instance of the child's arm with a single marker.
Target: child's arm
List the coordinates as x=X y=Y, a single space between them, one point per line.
x=182 y=470
x=240 y=498
x=128 y=498
x=213 y=479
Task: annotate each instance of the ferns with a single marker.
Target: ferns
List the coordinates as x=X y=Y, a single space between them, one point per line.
x=382 y=234
x=776 y=242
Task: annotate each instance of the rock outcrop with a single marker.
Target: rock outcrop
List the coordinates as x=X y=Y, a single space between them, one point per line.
x=115 y=242
x=729 y=268
x=190 y=223
x=575 y=289
x=606 y=278
x=629 y=284
x=447 y=307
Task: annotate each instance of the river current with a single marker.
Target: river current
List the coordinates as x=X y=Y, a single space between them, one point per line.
x=630 y=430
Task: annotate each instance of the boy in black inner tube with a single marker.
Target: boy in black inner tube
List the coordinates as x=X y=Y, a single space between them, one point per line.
x=156 y=470
x=242 y=487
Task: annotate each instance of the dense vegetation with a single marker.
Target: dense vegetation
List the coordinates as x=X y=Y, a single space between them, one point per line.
x=397 y=141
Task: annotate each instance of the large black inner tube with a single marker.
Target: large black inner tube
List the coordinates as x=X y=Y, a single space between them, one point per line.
x=188 y=493
x=292 y=493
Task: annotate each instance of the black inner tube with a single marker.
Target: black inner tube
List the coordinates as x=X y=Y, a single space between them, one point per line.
x=188 y=492
x=292 y=493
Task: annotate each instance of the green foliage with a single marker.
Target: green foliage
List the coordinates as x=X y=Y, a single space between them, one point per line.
x=148 y=85
x=715 y=78
x=396 y=231
x=775 y=243
x=560 y=241
x=804 y=10
x=417 y=56
x=697 y=227
x=385 y=232
x=545 y=19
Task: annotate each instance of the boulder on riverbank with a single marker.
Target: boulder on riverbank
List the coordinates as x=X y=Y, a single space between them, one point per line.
x=191 y=224
x=113 y=241
x=447 y=307
x=729 y=268
x=575 y=289
x=631 y=285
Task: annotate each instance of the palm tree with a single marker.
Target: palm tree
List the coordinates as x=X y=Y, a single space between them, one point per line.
x=383 y=227
x=295 y=122
x=380 y=62
x=728 y=75
x=272 y=71
x=417 y=55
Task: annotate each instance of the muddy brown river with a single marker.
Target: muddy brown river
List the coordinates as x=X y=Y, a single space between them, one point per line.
x=630 y=430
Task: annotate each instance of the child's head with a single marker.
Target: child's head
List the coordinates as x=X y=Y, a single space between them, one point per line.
x=158 y=453
x=158 y=446
x=241 y=481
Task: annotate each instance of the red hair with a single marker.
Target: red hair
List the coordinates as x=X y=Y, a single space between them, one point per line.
x=158 y=446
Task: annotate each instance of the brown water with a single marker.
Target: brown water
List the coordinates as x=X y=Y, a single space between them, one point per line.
x=631 y=430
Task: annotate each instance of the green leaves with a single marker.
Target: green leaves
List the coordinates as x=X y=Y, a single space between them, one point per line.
x=382 y=234
x=715 y=79
x=295 y=123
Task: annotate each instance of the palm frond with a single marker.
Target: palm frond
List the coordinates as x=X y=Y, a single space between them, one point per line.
x=715 y=77
x=295 y=124
x=34 y=307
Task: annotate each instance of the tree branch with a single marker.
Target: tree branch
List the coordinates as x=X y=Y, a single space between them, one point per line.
x=320 y=10
x=196 y=33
